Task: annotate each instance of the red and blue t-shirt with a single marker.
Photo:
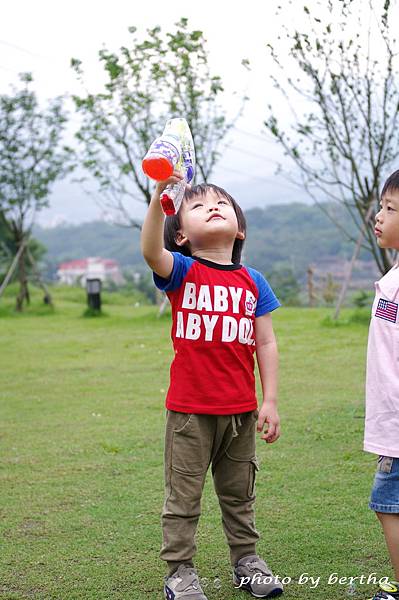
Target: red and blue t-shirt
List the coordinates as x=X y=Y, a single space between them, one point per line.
x=213 y=332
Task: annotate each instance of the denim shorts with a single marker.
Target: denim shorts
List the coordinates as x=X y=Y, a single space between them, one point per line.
x=385 y=492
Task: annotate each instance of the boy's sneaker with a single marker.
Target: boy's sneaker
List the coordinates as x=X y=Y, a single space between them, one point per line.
x=387 y=591
x=184 y=584
x=252 y=574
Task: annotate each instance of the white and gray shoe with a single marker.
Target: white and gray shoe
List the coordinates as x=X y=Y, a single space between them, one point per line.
x=183 y=584
x=252 y=574
x=388 y=591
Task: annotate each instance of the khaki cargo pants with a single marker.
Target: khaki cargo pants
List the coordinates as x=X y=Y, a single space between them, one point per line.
x=192 y=443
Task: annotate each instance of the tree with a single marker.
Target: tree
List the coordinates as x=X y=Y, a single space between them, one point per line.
x=148 y=83
x=6 y=243
x=286 y=286
x=347 y=140
x=330 y=289
x=31 y=160
x=8 y=247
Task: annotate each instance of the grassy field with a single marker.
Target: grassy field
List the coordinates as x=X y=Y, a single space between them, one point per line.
x=81 y=436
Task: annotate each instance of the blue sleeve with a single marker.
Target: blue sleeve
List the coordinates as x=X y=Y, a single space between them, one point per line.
x=181 y=265
x=267 y=300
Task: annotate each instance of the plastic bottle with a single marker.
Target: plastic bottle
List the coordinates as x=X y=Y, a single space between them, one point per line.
x=173 y=150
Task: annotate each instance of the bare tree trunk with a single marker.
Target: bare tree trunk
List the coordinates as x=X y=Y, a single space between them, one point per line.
x=11 y=270
x=352 y=262
x=311 y=293
x=23 y=281
x=47 y=296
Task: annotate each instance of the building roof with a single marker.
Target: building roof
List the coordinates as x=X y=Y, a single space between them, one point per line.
x=85 y=263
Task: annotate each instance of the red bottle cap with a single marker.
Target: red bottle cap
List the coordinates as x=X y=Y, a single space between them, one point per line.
x=167 y=205
x=158 y=168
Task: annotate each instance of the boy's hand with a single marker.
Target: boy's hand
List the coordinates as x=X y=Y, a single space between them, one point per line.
x=268 y=415
x=161 y=185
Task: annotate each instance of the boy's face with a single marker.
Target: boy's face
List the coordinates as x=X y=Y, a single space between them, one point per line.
x=387 y=221
x=207 y=219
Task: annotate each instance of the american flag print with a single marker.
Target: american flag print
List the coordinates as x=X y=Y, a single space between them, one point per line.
x=387 y=310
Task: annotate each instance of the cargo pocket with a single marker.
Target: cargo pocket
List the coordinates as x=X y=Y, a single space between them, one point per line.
x=254 y=467
x=188 y=452
x=239 y=477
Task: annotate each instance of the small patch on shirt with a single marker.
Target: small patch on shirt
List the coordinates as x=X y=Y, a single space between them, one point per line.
x=250 y=304
x=387 y=310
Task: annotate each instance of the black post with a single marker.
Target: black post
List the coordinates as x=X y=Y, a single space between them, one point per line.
x=93 y=287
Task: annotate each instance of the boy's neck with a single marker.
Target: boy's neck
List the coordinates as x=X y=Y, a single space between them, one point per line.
x=222 y=257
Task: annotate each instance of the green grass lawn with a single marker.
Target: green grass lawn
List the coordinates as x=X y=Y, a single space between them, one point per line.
x=81 y=436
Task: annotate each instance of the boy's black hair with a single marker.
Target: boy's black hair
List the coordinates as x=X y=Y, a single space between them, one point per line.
x=172 y=223
x=391 y=184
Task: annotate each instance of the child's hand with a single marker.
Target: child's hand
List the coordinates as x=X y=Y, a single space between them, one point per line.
x=175 y=178
x=268 y=415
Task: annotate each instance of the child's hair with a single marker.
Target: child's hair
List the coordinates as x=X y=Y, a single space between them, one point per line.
x=391 y=184
x=172 y=223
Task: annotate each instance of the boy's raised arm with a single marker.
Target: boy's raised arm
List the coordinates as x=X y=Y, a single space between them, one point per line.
x=156 y=256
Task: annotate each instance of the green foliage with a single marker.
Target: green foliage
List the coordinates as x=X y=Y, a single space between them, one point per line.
x=67 y=293
x=285 y=286
x=330 y=322
x=330 y=290
x=9 y=248
x=360 y=315
x=36 y=308
x=294 y=235
x=363 y=299
x=152 y=80
x=146 y=286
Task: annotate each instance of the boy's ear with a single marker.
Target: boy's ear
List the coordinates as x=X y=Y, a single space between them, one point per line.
x=240 y=235
x=180 y=238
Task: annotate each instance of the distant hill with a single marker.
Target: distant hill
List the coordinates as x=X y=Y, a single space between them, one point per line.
x=280 y=236
x=97 y=238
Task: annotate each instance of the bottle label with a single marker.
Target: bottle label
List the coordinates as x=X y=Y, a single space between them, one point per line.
x=166 y=149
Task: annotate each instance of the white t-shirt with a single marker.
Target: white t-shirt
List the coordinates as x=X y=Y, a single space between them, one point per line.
x=381 y=434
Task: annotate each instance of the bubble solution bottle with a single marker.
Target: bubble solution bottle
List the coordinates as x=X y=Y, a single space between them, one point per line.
x=173 y=150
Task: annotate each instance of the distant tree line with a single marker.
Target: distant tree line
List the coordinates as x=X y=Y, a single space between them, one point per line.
x=283 y=240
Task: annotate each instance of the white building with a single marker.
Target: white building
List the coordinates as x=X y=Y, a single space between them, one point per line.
x=76 y=272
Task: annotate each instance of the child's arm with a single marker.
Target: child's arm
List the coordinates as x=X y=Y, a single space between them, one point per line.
x=267 y=358
x=156 y=256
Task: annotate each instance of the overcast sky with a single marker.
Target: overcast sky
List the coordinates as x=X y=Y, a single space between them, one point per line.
x=41 y=36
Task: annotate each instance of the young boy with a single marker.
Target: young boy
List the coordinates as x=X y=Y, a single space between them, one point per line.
x=382 y=385
x=219 y=309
